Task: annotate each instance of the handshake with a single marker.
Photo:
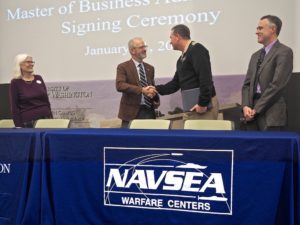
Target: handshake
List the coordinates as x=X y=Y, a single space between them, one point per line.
x=149 y=91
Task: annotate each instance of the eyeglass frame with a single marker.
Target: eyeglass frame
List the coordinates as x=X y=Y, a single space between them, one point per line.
x=141 y=47
x=29 y=62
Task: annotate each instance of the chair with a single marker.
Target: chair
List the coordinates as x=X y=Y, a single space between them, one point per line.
x=7 y=123
x=208 y=125
x=52 y=123
x=149 y=124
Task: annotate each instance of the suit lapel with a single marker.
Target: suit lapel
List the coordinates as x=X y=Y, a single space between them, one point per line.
x=134 y=72
x=254 y=66
x=269 y=56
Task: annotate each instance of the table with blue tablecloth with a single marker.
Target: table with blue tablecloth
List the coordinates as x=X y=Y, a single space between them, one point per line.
x=133 y=177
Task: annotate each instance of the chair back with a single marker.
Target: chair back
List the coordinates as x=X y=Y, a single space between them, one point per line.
x=52 y=123
x=149 y=124
x=208 y=125
x=7 y=123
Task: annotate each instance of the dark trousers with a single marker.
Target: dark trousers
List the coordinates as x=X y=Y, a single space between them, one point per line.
x=144 y=113
x=253 y=126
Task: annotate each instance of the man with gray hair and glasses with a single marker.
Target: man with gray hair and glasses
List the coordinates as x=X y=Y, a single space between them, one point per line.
x=135 y=79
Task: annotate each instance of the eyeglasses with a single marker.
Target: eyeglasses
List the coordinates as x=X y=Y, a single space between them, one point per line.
x=29 y=62
x=142 y=47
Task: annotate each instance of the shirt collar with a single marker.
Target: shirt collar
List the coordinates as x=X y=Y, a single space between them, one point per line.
x=136 y=63
x=269 y=46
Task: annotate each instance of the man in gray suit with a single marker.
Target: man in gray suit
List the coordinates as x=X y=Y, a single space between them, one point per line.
x=269 y=71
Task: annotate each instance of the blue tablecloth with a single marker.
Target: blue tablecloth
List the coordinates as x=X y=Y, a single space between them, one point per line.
x=132 y=177
x=20 y=176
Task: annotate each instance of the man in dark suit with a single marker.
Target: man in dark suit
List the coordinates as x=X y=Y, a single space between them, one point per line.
x=135 y=79
x=193 y=70
x=269 y=71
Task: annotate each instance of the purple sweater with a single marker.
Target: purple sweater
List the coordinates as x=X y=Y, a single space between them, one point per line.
x=29 y=100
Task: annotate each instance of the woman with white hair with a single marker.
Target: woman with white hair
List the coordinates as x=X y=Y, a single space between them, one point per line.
x=28 y=94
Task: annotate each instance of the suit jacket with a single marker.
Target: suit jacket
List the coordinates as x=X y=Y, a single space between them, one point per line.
x=128 y=82
x=274 y=74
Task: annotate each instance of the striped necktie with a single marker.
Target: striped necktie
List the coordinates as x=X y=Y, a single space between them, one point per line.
x=143 y=82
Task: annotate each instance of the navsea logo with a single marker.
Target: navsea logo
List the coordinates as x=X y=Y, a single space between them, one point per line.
x=192 y=180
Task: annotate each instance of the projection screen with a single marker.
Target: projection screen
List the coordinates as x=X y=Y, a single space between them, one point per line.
x=86 y=39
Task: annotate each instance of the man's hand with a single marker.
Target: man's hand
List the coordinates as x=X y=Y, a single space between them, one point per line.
x=248 y=113
x=199 y=108
x=149 y=91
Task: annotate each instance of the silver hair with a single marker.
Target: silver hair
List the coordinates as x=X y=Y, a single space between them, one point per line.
x=17 y=73
x=131 y=42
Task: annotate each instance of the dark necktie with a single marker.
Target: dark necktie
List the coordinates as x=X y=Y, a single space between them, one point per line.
x=259 y=62
x=144 y=83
